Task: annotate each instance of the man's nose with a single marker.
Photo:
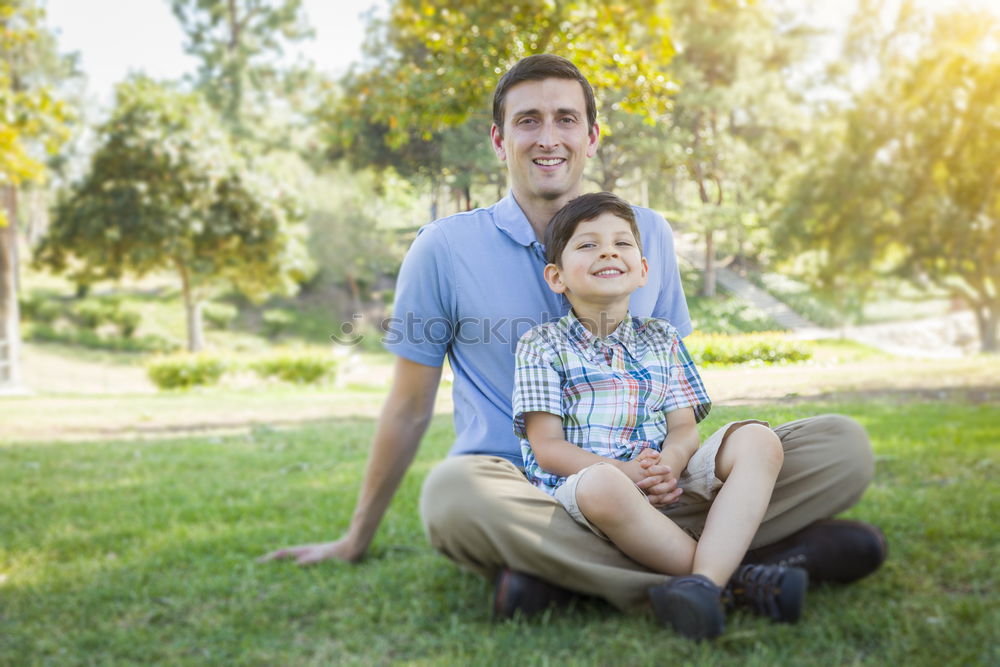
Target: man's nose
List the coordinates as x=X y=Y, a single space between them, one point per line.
x=547 y=137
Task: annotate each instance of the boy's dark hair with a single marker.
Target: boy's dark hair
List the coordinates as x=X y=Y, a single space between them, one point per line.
x=537 y=68
x=585 y=207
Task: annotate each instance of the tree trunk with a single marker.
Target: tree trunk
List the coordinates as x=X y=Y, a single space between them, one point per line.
x=708 y=281
x=10 y=320
x=192 y=308
x=988 y=320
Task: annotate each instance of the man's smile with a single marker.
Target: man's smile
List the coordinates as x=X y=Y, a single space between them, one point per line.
x=548 y=161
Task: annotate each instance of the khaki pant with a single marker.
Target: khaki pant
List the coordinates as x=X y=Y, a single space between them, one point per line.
x=482 y=513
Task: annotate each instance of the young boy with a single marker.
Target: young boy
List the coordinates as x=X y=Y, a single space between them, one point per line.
x=599 y=397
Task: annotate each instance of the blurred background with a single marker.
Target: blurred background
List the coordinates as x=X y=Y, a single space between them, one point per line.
x=232 y=175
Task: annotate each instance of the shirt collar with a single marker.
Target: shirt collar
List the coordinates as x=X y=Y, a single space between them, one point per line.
x=590 y=344
x=511 y=220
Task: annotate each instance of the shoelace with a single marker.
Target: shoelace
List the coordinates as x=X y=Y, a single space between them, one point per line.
x=757 y=586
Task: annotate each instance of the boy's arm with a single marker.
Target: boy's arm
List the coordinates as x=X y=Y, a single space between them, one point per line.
x=404 y=419
x=558 y=456
x=681 y=441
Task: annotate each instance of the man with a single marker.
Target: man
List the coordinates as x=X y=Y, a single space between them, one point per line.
x=470 y=285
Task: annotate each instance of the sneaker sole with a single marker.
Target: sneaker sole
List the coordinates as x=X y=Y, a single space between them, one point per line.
x=792 y=599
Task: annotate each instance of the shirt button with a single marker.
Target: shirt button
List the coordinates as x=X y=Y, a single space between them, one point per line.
x=631 y=401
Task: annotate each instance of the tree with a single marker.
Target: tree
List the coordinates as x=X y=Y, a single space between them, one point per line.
x=32 y=121
x=237 y=42
x=431 y=67
x=906 y=181
x=166 y=190
x=734 y=115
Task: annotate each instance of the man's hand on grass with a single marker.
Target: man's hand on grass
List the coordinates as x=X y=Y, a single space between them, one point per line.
x=310 y=554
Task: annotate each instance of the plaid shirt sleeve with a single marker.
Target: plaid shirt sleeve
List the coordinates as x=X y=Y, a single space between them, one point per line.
x=685 y=386
x=537 y=382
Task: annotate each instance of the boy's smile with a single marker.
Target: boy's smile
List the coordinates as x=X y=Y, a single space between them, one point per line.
x=600 y=267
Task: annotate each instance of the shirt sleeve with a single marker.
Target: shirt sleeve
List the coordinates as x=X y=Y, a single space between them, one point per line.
x=685 y=388
x=537 y=381
x=671 y=305
x=422 y=324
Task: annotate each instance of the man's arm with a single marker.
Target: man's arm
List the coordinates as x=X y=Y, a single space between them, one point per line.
x=404 y=419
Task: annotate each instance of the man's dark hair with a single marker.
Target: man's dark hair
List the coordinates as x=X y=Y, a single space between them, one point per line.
x=537 y=68
x=563 y=224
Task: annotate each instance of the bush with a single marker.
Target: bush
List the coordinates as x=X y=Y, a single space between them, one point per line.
x=276 y=322
x=720 y=349
x=219 y=315
x=184 y=371
x=92 y=314
x=297 y=367
x=40 y=309
x=127 y=321
x=47 y=333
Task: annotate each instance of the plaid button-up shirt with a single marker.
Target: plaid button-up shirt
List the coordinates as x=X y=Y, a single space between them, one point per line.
x=613 y=394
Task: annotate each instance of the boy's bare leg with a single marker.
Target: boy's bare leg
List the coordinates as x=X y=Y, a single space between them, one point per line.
x=608 y=498
x=748 y=463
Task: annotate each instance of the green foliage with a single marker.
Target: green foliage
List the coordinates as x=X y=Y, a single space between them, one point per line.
x=31 y=116
x=71 y=335
x=238 y=43
x=760 y=348
x=903 y=180
x=420 y=103
x=727 y=314
x=184 y=371
x=219 y=315
x=39 y=308
x=165 y=190
x=295 y=367
x=275 y=322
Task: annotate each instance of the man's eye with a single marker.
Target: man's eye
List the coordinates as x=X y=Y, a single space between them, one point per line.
x=525 y=121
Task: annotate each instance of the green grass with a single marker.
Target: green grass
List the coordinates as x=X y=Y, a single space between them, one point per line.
x=143 y=551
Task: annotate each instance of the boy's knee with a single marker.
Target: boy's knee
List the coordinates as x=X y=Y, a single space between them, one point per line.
x=757 y=443
x=602 y=491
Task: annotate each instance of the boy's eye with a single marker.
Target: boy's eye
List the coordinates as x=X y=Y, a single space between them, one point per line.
x=625 y=243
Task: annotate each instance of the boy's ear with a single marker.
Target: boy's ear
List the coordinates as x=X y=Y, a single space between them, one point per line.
x=644 y=276
x=553 y=277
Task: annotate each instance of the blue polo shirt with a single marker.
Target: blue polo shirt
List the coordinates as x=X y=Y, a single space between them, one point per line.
x=471 y=285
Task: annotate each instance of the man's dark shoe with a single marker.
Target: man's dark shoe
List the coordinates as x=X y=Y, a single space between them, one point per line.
x=831 y=550
x=769 y=590
x=691 y=605
x=517 y=593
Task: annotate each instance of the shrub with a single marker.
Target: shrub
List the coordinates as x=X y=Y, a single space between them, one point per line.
x=297 y=367
x=767 y=348
x=184 y=371
x=92 y=314
x=47 y=333
x=126 y=320
x=219 y=315
x=40 y=309
x=276 y=322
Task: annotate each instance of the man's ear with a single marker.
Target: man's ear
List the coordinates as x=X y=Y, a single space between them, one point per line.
x=595 y=139
x=496 y=138
x=553 y=277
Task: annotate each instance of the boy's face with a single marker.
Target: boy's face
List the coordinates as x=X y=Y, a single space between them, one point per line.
x=601 y=264
x=545 y=139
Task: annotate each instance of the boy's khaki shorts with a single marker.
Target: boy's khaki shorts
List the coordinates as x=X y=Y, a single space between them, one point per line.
x=698 y=477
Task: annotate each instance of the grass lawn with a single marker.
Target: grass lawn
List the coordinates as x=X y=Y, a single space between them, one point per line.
x=143 y=551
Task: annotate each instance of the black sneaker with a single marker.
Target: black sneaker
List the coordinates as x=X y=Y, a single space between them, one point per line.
x=691 y=605
x=831 y=550
x=769 y=590
x=519 y=594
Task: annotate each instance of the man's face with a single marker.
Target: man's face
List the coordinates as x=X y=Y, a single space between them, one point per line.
x=545 y=140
